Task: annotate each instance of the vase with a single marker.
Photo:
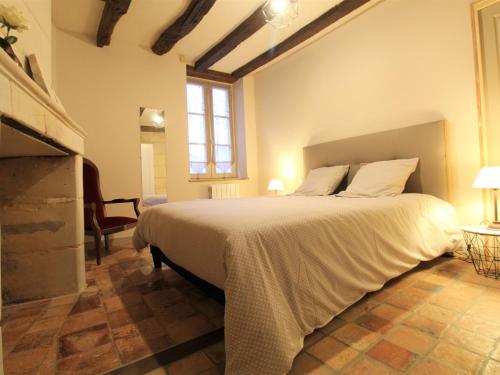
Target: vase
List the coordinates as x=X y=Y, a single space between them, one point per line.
x=8 y=49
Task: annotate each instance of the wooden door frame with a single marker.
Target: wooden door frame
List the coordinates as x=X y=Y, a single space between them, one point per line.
x=476 y=8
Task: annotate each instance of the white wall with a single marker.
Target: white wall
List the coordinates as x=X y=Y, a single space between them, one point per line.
x=103 y=88
x=402 y=63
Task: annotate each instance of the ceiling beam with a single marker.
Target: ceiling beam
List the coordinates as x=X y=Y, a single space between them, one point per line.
x=326 y=19
x=112 y=12
x=242 y=32
x=211 y=75
x=196 y=10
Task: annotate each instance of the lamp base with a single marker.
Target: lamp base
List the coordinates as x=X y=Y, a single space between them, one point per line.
x=494 y=226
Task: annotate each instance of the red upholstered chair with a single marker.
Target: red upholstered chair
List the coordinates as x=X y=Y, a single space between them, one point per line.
x=97 y=223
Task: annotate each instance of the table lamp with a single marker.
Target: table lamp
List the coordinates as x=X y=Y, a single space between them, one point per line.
x=489 y=178
x=275 y=185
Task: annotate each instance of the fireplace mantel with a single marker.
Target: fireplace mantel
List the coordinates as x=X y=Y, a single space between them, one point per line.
x=41 y=191
x=24 y=102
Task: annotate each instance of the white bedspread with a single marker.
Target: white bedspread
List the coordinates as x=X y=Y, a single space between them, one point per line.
x=289 y=264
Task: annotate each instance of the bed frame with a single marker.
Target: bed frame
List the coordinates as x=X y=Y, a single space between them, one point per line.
x=426 y=141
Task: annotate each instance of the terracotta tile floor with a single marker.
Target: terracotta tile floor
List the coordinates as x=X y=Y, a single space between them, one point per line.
x=128 y=311
x=440 y=318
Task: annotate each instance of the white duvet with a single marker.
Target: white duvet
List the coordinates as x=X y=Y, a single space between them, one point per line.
x=289 y=264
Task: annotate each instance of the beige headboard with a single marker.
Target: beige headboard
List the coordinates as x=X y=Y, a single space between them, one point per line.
x=426 y=142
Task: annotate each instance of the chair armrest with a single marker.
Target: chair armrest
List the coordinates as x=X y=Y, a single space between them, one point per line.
x=92 y=208
x=135 y=202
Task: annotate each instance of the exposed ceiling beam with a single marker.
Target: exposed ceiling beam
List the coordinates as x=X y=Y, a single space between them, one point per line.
x=210 y=75
x=242 y=32
x=112 y=12
x=326 y=19
x=196 y=10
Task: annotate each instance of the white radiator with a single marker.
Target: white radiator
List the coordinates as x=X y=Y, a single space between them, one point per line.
x=224 y=191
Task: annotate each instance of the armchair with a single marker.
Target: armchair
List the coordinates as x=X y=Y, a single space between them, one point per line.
x=97 y=223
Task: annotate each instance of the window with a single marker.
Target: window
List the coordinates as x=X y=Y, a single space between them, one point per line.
x=211 y=146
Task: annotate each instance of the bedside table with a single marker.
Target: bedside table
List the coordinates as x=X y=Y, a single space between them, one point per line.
x=483 y=246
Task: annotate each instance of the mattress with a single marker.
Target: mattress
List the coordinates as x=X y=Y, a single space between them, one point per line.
x=289 y=264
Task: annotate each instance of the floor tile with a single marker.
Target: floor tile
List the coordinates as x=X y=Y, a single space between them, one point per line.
x=426 y=325
x=392 y=355
x=457 y=358
x=367 y=366
x=305 y=364
x=118 y=302
x=85 y=340
x=86 y=302
x=312 y=338
x=479 y=326
x=438 y=313
x=35 y=340
x=390 y=313
x=129 y=315
x=26 y=361
x=355 y=336
x=190 y=365
x=216 y=353
x=334 y=324
x=409 y=298
x=333 y=352
x=374 y=323
x=78 y=322
x=468 y=340
x=432 y=367
x=492 y=368
x=97 y=361
x=186 y=329
x=411 y=339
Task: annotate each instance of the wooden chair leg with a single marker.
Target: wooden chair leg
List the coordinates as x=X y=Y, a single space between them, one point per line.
x=156 y=253
x=106 y=243
x=97 y=242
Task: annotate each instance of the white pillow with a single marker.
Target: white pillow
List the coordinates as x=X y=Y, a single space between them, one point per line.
x=322 y=181
x=381 y=179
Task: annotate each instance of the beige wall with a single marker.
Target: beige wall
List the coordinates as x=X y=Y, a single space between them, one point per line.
x=102 y=89
x=399 y=64
x=37 y=39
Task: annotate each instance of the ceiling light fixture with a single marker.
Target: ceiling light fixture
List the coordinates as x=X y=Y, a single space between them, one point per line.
x=158 y=120
x=280 y=13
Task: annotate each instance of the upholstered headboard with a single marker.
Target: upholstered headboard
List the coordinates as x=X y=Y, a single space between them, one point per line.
x=427 y=142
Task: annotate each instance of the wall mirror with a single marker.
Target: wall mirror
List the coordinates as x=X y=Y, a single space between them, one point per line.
x=153 y=156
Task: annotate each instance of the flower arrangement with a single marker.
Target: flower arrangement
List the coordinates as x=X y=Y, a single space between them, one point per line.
x=11 y=19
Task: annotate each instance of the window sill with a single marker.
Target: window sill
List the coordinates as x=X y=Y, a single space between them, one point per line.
x=215 y=179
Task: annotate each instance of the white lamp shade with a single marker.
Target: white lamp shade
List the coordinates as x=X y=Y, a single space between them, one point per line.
x=275 y=185
x=488 y=178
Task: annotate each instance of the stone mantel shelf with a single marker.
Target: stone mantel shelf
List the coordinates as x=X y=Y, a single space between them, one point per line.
x=23 y=101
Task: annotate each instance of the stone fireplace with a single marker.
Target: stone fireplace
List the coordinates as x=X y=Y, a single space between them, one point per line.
x=41 y=194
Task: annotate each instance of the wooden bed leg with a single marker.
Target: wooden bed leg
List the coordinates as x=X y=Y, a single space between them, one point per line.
x=156 y=253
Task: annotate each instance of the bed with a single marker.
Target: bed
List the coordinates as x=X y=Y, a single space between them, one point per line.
x=289 y=264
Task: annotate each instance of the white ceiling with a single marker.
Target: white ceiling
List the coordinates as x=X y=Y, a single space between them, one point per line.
x=146 y=20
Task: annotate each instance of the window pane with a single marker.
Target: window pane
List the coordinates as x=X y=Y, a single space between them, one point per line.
x=196 y=126
x=223 y=153
x=222 y=131
x=195 y=98
x=198 y=168
x=220 y=102
x=197 y=153
x=223 y=168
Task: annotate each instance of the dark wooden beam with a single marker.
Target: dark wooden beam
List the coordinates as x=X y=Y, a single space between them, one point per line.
x=326 y=19
x=196 y=10
x=210 y=75
x=112 y=12
x=242 y=32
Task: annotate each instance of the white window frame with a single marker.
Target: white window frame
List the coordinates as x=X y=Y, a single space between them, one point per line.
x=209 y=131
